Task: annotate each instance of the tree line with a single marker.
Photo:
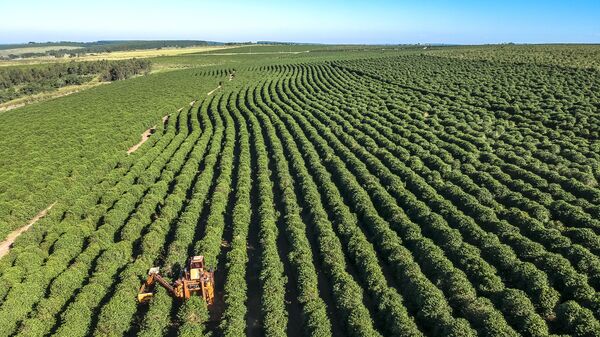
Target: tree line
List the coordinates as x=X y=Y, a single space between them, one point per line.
x=21 y=81
x=98 y=47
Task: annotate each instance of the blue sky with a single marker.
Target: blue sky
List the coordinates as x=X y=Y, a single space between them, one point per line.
x=375 y=21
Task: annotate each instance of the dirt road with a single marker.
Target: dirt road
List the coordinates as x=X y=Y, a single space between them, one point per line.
x=10 y=239
x=149 y=133
x=212 y=91
x=145 y=137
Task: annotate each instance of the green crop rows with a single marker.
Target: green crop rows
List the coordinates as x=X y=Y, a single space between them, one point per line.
x=391 y=195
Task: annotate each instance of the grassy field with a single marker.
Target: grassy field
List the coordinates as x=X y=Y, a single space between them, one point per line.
x=343 y=191
x=24 y=50
x=116 y=55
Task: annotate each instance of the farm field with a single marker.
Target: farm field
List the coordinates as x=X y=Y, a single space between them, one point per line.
x=18 y=51
x=582 y=56
x=345 y=191
x=116 y=55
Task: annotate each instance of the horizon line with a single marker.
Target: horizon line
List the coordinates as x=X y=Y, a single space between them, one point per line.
x=274 y=42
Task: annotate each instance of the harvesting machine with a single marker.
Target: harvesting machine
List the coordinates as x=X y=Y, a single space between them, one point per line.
x=195 y=280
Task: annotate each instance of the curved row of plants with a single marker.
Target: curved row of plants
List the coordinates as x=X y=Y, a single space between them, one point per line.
x=115 y=317
x=361 y=117
x=89 y=236
x=77 y=205
x=433 y=226
x=79 y=312
x=426 y=253
x=397 y=256
x=183 y=232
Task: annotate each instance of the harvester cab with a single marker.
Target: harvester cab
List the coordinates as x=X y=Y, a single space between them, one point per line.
x=196 y=267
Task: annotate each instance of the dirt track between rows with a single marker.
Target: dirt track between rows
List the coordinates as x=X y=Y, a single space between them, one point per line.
x=212 y=91
x=10 y=239
x=146 y=135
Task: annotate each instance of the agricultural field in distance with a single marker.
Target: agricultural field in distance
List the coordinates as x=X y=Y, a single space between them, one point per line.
x=334 y=190
x=24 y=50
x=116 y=55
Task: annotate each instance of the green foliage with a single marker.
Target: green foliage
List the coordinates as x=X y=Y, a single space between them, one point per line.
x=27 y=80
x=95 y=128
x=401 y=195
x=192 y=315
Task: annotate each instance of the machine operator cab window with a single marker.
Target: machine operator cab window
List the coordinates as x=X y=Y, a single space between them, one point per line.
x=196 y=267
